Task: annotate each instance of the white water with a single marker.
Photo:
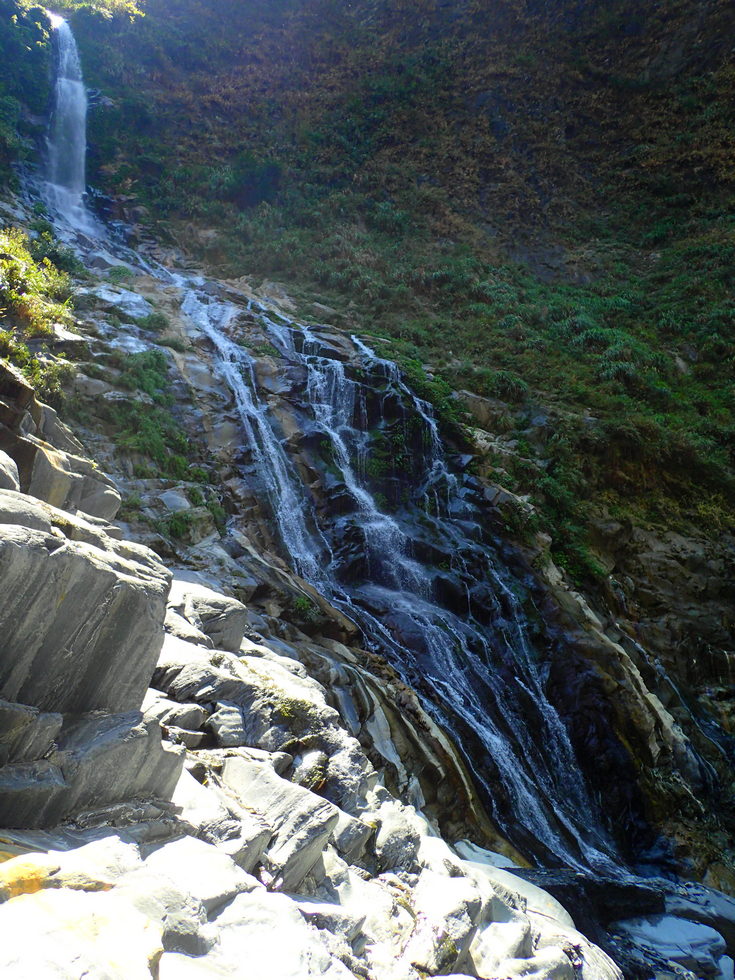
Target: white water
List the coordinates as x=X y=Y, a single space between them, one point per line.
x=480 y=679
x=64 y=182
x=474 y=672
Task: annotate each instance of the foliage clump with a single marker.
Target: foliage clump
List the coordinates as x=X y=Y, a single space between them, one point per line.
x=34 y=296
x=34 y=293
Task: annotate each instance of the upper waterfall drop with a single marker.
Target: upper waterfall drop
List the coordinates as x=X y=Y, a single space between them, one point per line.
x=64 y=181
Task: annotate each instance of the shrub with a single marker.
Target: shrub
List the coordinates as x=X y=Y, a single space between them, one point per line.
x=155 y=322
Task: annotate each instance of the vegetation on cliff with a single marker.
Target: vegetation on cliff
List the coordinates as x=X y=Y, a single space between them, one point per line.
x=34 y=299
x=533 y=199
x=558 y=240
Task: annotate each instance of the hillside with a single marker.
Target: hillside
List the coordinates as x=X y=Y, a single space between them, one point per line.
x=529 y=204
x=533 y=199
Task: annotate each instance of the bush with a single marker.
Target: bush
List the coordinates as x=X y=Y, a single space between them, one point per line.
x=155 y=322
x=34 y=294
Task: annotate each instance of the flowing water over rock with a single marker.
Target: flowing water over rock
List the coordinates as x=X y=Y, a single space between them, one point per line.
x=369 y=509
x=64 y=183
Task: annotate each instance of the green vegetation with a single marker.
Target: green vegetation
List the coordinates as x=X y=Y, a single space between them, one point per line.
x=145 y=425
x=559 y=244
x=175 y=525
x=34 y=295
x=155 y=322
x=120 y=274
x=25 y=61
x=107 y=8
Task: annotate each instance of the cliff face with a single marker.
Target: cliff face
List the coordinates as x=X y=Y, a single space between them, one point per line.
x=530 y=200
x=397 y=160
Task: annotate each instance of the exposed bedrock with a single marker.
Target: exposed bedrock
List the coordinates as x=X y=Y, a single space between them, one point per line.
x=82 y=626
x=82 y=617
x=302 y=839
x=49 y=461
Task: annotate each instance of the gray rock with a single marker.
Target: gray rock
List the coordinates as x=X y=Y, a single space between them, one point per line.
x=182 y=917
x=310 y=769
x=694 y=946
x=100 y=760
x=18 y=508
x=185 y=737
x=241 y=834
x=95 y=866
x=278 y=941
x=9 y=479
x=174 y=500
x=221 y=618
x=226 y=725
x=398 y=838
x=90 y=387
x=696 y=902
x=177 y=966
x=351 y=837
x=103 y=610
x=124 y=300
x=332 y=917
x=63 y=479
x=182 y=628
x=172 y=713
x=447 y=911
x=302 y=821
x=26 y=734
x=51 y=429
x=188 y=673
x=201 y=870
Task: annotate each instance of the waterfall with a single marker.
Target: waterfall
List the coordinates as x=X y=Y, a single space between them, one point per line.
x=475 y=668
x=64 y=183
x=418 y=574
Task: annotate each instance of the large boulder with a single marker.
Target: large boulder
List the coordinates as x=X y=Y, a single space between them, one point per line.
x=303 y=822
x=82 y=627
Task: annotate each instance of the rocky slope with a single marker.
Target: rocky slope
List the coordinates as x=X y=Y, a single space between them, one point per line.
x=556 y=242
x=321 y=820
x=259 y=827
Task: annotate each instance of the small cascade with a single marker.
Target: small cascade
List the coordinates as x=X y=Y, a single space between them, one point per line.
x=64 y=184
x=475 y=667
x=287 y=504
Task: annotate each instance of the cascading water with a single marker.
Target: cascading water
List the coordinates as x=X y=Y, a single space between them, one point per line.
x=64 y=182
x=418 y=574
x=475 y=668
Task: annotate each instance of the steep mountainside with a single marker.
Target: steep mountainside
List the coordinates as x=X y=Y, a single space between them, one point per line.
x=533 y=199
x=532 y=202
